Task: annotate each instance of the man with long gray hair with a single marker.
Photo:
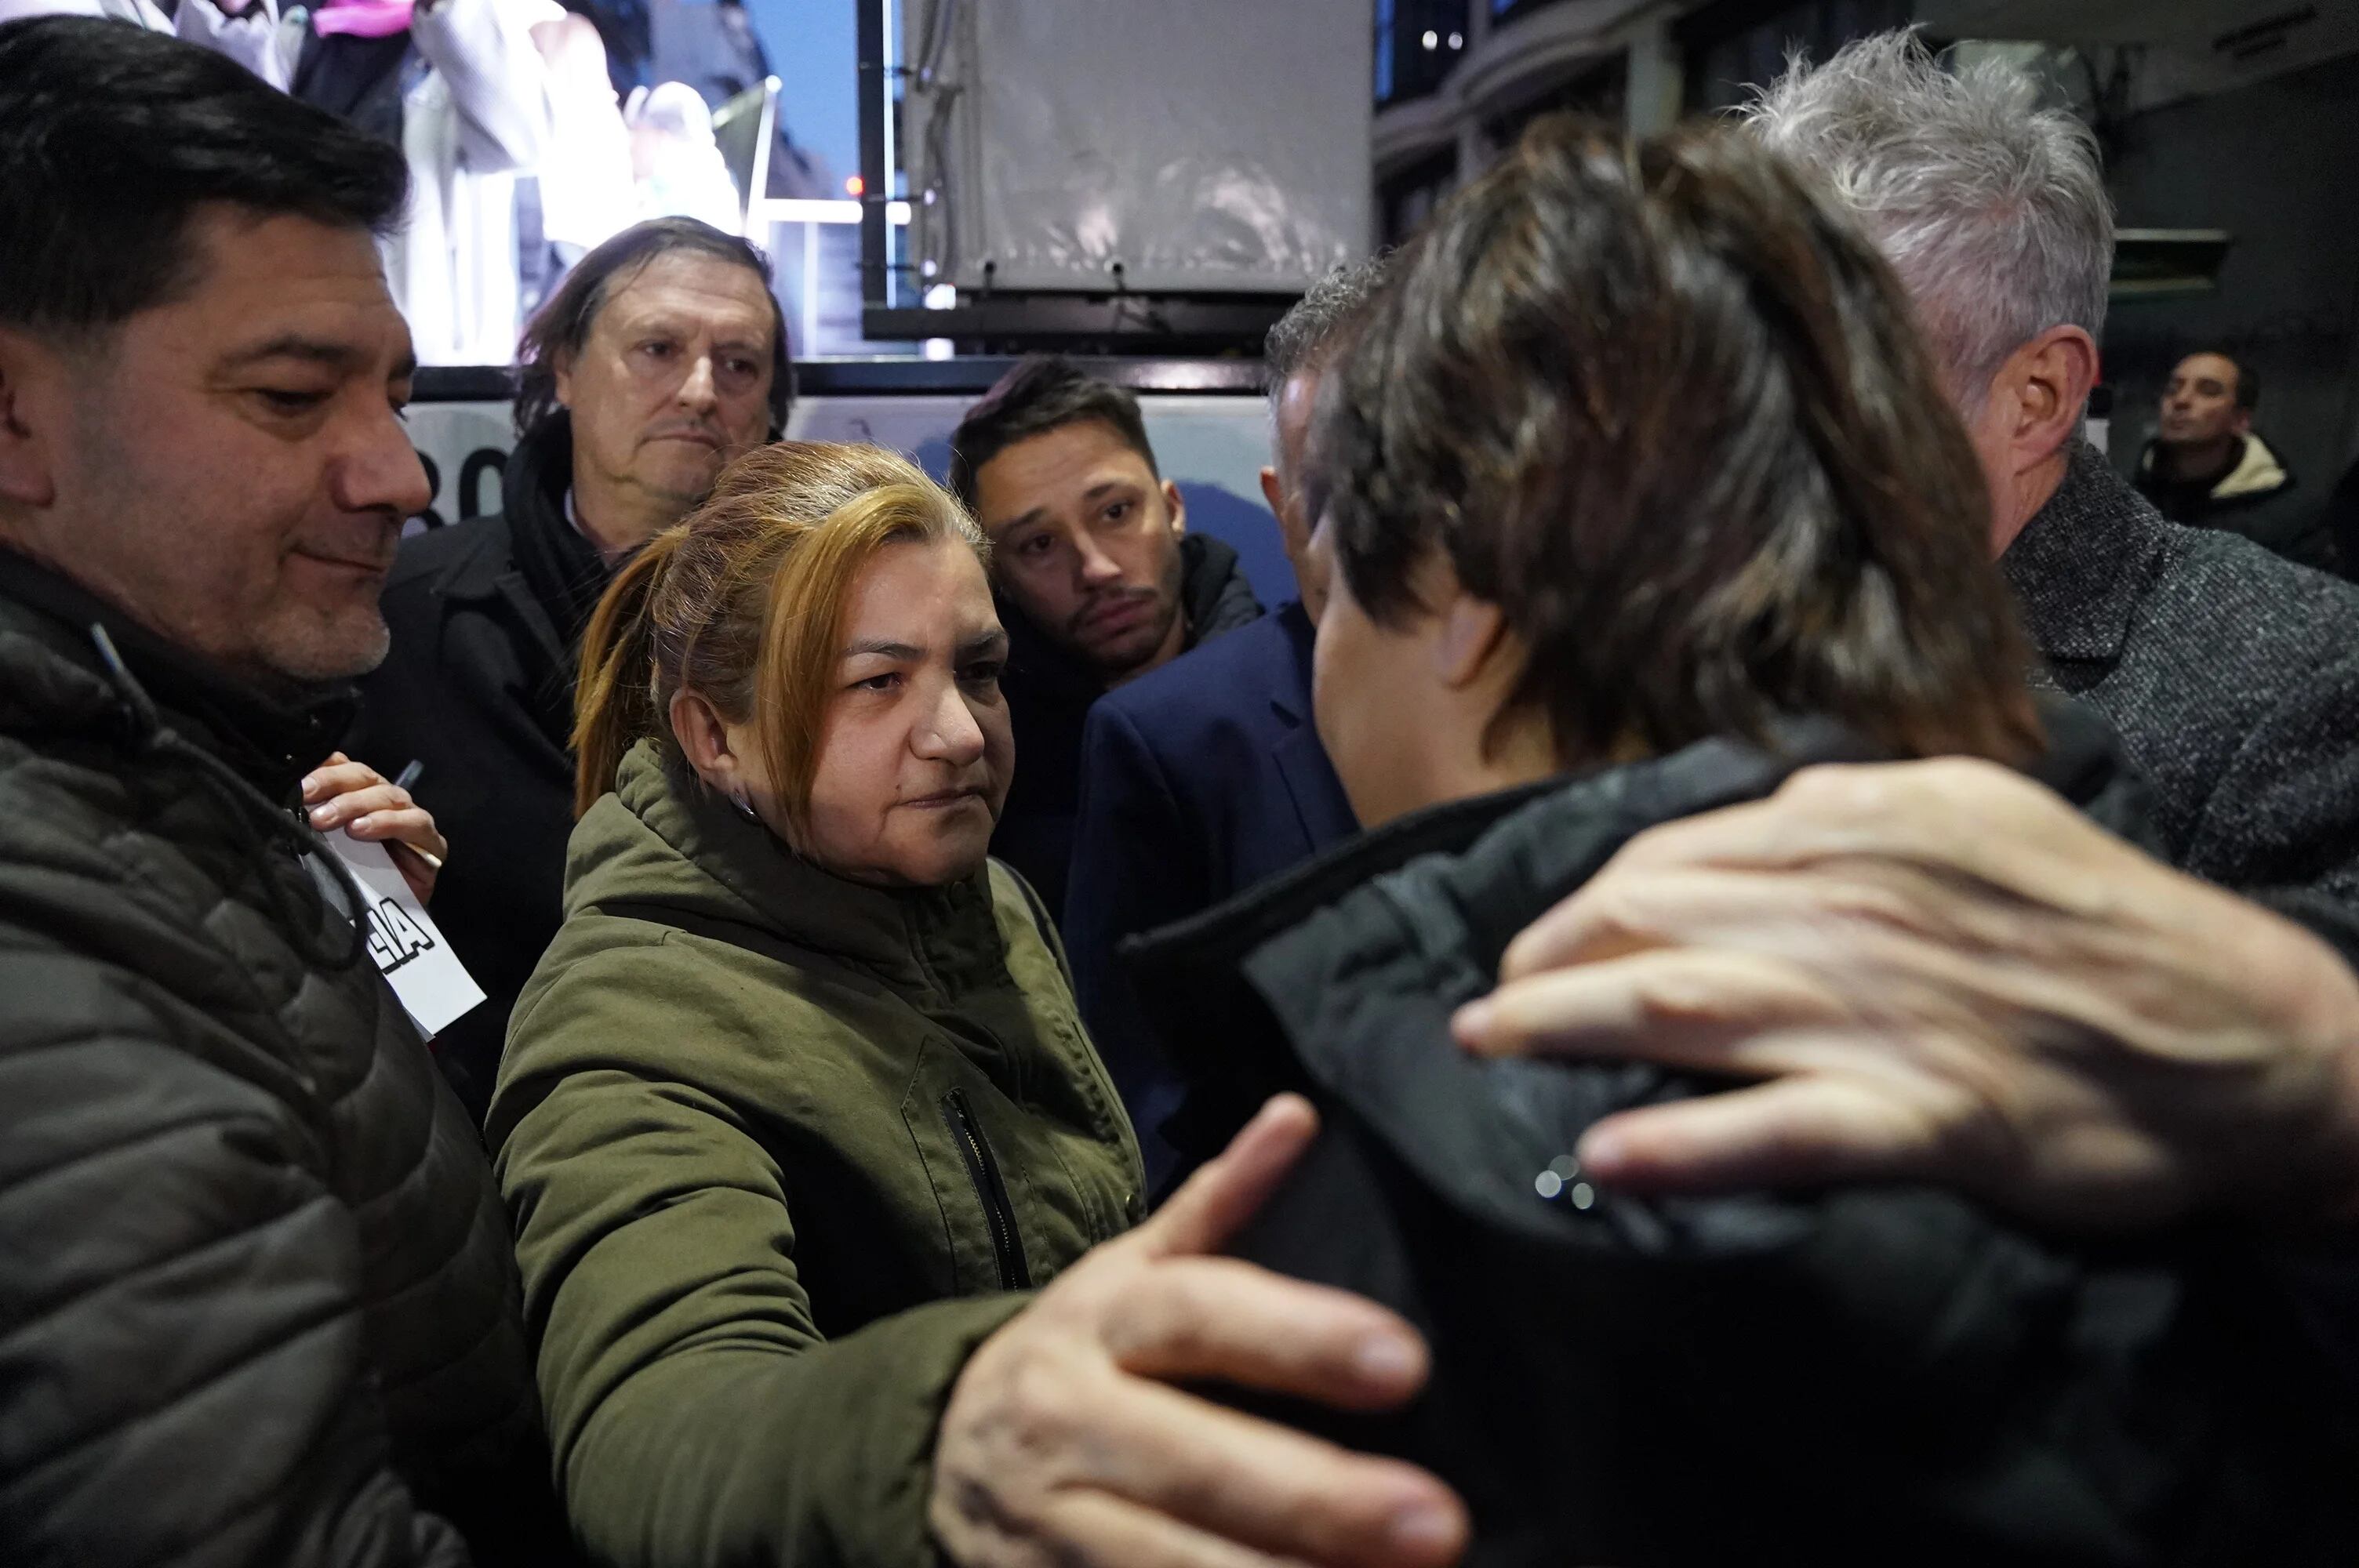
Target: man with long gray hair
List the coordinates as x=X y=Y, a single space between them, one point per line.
x=661 y=356
x=1206 y=776
x=2230 y=674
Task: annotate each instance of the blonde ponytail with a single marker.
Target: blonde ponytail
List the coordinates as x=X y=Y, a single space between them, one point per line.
x=613 y=704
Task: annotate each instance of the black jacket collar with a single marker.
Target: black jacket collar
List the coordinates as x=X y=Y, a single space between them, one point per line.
x=271 y=738
x=533 y=485
x=562 y=570
x=2085 y=559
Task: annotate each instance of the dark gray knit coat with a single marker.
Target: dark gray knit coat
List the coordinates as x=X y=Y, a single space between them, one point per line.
x=2232 y=677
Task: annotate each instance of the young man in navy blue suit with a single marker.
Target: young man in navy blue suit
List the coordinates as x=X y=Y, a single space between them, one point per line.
x=1205 y=777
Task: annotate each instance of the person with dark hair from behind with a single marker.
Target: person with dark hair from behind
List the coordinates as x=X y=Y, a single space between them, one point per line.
x=2121 y=1047
x=1642 y=492
x=1098 y=579
x=661 y=355
x=1205 y=777
x=2208 y=467
x=259 y=1302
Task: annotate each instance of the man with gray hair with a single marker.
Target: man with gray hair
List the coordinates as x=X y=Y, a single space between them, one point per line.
x=1939 y=972
x=2230 y=674
x=1205 y=777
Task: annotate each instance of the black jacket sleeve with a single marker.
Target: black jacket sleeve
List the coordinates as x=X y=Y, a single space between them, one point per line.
x=182 y=1370
x=1135 y=867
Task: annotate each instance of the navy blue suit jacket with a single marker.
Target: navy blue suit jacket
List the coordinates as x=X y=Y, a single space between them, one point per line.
x=1197 y=781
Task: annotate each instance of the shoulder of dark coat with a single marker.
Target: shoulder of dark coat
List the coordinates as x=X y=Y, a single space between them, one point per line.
x=1236 y=675
x=458 y=553
x=2222 y=595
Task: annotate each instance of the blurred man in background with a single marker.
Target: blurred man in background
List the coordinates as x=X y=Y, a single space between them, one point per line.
x=584 y=183
x=1099 y=581
x=662 y=355
x=676 y=161
x=1205 y=777
x=2207 y=467
x=458 y=86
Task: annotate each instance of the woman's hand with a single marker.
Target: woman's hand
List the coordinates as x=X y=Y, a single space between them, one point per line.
x=1944 y=973
x=355 y=797
x=1068 y=1441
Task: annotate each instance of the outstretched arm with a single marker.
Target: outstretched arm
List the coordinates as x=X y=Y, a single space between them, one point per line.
x=1942 y=972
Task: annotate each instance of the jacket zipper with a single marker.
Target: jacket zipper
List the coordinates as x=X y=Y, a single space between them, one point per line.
x=1006 y=1244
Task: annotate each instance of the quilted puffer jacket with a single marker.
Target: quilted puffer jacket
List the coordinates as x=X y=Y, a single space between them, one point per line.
x=258 y=1303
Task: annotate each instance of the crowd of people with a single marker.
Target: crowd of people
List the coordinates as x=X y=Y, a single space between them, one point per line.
x=521 y=156
x=1761 y=966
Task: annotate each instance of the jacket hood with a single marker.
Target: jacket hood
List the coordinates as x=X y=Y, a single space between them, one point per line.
x=1213 y=589
x=663 y=847
x=2258 y=470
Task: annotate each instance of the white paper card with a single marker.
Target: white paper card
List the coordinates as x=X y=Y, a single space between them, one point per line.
x=433 y=985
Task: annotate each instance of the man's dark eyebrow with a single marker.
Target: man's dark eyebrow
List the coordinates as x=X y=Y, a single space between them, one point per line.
x=984 y=642
x=295 y=346
x=1106 y=484
x=1034 y=515
x=901 y=651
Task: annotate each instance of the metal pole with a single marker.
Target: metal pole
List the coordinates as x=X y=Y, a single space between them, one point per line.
x=810 y=289
x=875 y=108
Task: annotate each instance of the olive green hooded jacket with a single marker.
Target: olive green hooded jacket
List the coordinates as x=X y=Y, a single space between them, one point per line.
x=781 y=1149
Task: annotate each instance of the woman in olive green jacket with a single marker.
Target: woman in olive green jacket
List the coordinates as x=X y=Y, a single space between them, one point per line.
x=798 y=1099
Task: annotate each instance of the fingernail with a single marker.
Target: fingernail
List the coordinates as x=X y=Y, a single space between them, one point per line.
x=1600 y=1151
x=1471 y=1022
x=1424 y=1530
x=310 y=785
x=1386 y=1358
x=322 y=815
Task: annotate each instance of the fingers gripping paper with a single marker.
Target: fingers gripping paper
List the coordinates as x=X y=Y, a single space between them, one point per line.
x=414 y=957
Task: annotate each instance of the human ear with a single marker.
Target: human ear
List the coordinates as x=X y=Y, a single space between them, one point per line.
x=1274 y=493
x=1469 y=638
x=2049 y=379
x=1174 y=507
x=704 y=740
x=28 y=467
x=561 y=361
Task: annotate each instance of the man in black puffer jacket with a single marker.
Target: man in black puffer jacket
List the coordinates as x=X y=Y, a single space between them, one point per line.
x=258 y=1303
